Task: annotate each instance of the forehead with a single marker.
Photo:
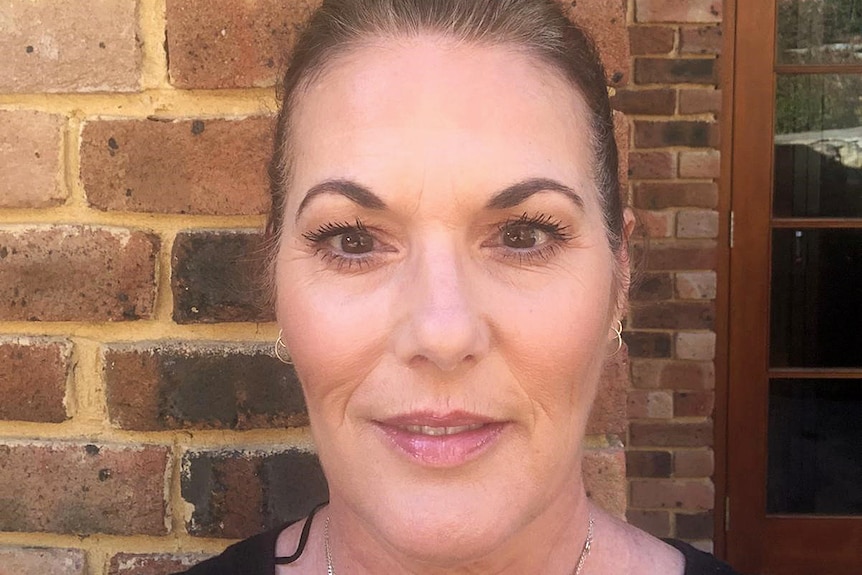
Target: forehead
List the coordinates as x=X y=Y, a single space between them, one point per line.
x=434 y=107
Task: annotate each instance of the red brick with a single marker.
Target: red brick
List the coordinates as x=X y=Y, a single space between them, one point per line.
x=42 y=561
x=649 y=404
x=200 y=385
x=700 y=101
x=30 y=147
x=606 y=22
x=646 y=373
x=76 y=273
x=647 y=102
x=697 y=224
x=75 y=488
x=676 y=71
x=672 y=494
x=692 y=526
x=693 y=403
x=688 y=375
x=656 y=523
x=678 y=11
x=679 y=255
x=671 y=434
x=691 y=134
x=656 y=224
x=700 y=40
x=652 y=287
x=647 y=344
x=604 y=472
x=235 y=494
x=218 y=277
x=696 y=285
x=652 y=165
x=673 y=315
x=661 y=195
x=83 y=46
x=699 y=345
x=229 y=44
x=693 y=463
x=608 y=415
x=214 y=166
x=33 y=377
x=705 y=164
x=648 y=463
x=646 y=40
x=153 y=563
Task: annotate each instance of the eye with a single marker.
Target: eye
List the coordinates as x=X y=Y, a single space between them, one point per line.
x=523 y=236
x=356 y=242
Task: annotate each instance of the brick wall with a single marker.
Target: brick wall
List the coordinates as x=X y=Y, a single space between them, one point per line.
x=674 y=102
x=144 y=422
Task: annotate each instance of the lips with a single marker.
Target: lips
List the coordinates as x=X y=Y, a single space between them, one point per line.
x=436 y=440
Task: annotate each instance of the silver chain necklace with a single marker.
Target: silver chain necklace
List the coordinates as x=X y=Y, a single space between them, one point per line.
x=585 y=552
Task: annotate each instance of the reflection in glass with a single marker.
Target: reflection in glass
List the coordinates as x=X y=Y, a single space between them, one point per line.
x=819 y=31
x=815 y=459
x=816 y=296
x=818 y=146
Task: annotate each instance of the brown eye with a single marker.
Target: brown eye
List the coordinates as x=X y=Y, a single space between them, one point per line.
x=356 y=242
x=521 y=236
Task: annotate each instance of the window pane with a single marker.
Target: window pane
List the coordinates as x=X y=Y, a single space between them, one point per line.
x=818 y=146
x=816 y=298
x=815 y=459
x=819 y=31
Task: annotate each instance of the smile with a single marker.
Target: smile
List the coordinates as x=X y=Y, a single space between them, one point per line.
x=438 y=431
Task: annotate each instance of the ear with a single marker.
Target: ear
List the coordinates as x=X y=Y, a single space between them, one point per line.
x=624 y=270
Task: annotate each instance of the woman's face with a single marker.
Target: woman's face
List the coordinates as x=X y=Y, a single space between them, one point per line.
x=446 y=289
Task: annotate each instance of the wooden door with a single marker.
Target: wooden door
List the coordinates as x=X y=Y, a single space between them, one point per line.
x=794 y=443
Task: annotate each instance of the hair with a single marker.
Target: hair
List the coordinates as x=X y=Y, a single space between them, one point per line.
x=537 y=27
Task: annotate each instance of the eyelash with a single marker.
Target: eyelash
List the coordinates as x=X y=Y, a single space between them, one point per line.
x=556 y=231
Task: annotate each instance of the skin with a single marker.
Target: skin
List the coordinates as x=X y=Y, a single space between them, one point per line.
x=446 y=313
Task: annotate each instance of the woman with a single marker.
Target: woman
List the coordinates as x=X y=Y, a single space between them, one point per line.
x=449 y=271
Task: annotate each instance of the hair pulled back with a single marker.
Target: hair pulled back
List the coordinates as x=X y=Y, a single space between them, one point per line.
x=537 y=27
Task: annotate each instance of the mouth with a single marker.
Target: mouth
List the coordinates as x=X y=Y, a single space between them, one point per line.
x=441 y=441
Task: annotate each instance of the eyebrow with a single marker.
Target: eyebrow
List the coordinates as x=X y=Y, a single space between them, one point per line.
x=519 y=193
x=354 y=192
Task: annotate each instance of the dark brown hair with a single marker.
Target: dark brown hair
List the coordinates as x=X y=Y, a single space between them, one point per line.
x=536 y=27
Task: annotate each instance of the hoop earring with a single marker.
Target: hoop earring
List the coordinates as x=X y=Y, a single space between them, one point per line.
x=618 y=330
x=279 y=344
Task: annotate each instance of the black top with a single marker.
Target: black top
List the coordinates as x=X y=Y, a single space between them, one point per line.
x=256 y=556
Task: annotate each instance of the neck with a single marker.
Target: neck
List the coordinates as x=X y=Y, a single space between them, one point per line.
x=550 y=543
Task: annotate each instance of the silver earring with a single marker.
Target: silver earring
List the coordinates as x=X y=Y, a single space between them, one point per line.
x=282 y=356
x=618 y=329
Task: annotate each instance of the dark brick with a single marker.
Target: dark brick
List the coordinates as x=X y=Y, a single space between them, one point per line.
x=679 y=255
x=238 y=493
x=652 y=287
x=33 y=377
x=673 y=315
x=158 y=386
x=676 y=71
x=75 y=488
x=648 y=343
x=661 y=195
x=652 y=165
x=649 y=434
x=695 y=526
x=229 y=44
x=693 y=403
x=42 y=561
x=218 y=277
x=648 y=102
x=692 y=134
x=646 y=40
x=656 y=523
x=152 y=563
x=700 y=40
x=212 y=166
x=703 y=101
x=648 y=464
x=76 y=273
x=692 y=375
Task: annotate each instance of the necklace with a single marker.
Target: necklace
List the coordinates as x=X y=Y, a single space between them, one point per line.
x=585 y=552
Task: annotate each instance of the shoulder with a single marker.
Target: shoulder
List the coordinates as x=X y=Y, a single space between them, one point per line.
x=699 y=563
x=252 y=556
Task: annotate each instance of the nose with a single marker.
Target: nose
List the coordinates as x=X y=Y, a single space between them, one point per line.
x=441 y=322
